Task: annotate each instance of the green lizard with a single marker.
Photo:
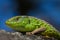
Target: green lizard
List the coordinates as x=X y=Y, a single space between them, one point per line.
x=32 y=25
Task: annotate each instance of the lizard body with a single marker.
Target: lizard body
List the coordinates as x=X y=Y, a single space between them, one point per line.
x=29 y=24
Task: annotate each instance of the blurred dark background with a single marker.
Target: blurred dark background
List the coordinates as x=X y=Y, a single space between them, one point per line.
x=48 y=10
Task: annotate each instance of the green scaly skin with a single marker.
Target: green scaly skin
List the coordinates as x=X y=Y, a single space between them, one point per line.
x=29 y=23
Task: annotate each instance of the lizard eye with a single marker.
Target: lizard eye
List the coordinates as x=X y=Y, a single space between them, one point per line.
x=17 y=18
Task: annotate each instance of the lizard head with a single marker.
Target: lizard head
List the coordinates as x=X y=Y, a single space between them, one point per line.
x=17 y=22
x=12 y=21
